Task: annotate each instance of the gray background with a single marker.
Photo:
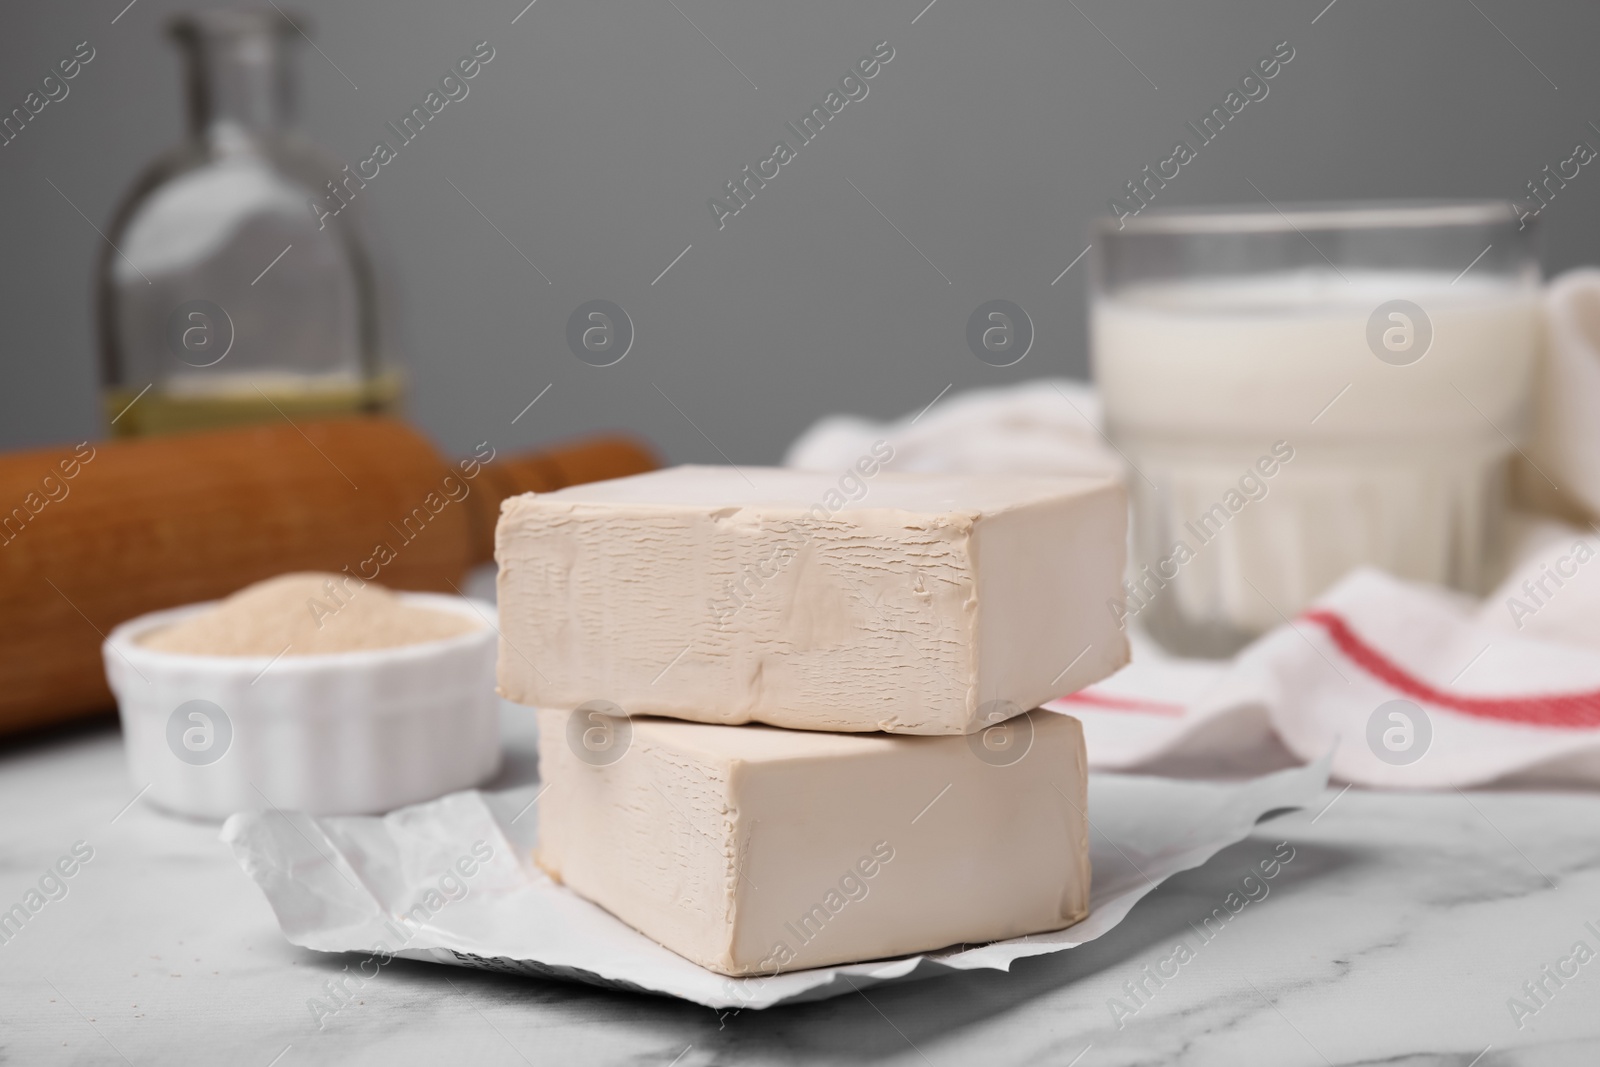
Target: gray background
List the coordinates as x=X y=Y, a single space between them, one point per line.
x=994 y=137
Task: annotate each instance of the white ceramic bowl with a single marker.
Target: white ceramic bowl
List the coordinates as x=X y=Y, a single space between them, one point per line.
x=342 y=733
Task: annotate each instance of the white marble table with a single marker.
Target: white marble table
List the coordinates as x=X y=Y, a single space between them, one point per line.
x=1396 y=935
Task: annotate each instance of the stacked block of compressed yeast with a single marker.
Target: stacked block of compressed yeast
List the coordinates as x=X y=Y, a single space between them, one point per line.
x=790 y=719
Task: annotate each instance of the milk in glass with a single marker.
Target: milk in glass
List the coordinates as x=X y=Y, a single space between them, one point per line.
x=1284 y=427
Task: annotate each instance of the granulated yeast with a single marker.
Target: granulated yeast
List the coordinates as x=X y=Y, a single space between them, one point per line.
x=311 y=613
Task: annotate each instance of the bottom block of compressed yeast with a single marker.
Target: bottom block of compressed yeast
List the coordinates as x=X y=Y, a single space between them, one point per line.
x=758 y=850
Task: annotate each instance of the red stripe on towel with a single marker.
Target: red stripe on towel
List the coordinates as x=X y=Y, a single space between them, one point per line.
x=1580 y=710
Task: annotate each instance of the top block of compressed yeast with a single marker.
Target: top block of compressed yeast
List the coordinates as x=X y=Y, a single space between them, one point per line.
x=907 y=603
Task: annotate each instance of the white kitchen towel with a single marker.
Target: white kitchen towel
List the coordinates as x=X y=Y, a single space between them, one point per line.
x=1050 y=426
x=1553 y=592
x=1410 y=687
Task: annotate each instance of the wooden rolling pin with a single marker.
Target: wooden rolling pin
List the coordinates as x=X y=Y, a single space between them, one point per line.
x=94 y=535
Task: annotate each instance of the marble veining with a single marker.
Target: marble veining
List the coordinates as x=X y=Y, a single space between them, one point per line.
x=1398 y=934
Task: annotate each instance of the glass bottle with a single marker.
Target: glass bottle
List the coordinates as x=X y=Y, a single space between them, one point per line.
x=224 y=296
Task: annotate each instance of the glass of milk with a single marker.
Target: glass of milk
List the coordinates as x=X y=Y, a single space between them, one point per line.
x=1303 y=391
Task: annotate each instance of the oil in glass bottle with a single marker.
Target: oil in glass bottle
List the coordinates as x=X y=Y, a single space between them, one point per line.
x=222 y=297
